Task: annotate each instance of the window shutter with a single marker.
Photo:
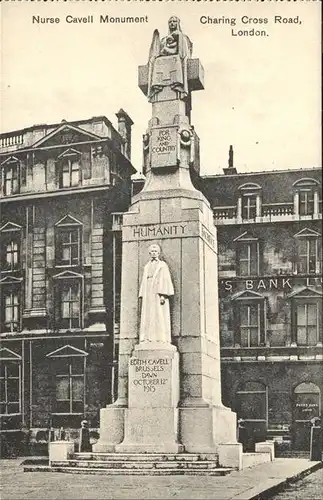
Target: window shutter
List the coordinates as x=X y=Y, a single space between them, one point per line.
x=23 y=172
x=56 y=315
x=236 y=323
x=58 y=175
x=294 y=322
x=86 y=164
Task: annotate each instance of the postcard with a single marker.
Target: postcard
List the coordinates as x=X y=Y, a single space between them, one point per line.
x=161 y=250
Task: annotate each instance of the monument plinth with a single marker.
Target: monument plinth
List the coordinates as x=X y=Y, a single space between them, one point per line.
x=169 y=384
x=151 y=419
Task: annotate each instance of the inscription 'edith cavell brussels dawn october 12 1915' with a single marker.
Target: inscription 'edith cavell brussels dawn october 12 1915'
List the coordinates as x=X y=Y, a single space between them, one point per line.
x=148 y=373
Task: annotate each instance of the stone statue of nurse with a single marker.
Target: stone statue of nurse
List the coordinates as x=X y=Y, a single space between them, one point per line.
x=174 y=72
x=155 y=289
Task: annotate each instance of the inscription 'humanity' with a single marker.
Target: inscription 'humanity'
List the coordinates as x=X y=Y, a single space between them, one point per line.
x=159 y=231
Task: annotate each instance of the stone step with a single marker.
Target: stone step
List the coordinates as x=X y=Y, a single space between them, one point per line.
x=130 y=472
x=138 y=457
x=116 y=464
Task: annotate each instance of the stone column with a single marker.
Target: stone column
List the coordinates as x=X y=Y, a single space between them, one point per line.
x=170 y=212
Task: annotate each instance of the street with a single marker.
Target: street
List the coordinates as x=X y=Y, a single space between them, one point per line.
x=250 y=483
x=308 y=488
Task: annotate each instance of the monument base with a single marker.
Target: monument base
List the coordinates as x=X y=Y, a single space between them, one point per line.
x=151 y=419
x=216 y=426
x=150 y=422
x=150 y=430
x=111 y=429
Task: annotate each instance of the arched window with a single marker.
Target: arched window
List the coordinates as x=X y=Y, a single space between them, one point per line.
x=307 y=405
x=309 y=251
x=252 y=402
x=249 y=201
x=307 y=401
x=306 y=196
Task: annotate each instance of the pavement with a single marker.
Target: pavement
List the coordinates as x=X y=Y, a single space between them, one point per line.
x=259 y=482
x=310 y=488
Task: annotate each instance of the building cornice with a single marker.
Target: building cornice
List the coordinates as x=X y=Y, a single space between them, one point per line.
x=56 y=193
x=260 y=172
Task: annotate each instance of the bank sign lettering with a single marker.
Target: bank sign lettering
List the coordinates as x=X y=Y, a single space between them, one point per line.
x=163 y=147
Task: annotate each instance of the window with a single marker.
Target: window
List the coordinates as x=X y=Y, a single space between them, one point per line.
x=250 y=325
x=69 y=304
x=68 y=242
x=10 y=237
x=68 y=247
x=306 y=316
x=248 y=259
x=306 y=196
x=250 y=311
x=307 y=323
x=11 y=311
x=10 y=388
x=252 y=402
x=70 y=385
x=308 y=255
x=249 y=206
x=11 y=178
x=69 y=169
x=306 y=401
x=249 y=201
x=69 y=365
x=10 y=255
x=306 y=202
x=70 y=173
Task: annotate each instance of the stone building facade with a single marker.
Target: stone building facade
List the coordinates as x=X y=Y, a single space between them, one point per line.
x=270 y=289
x=62 y=189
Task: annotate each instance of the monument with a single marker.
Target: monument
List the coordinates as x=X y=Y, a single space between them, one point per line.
x=169 y=384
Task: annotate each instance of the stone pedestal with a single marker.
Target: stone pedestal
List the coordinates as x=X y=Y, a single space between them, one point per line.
x=111 y=429
x=151 y=419
x=60 y=450
x=146 y=417
x=266 y=447
x=162 y=408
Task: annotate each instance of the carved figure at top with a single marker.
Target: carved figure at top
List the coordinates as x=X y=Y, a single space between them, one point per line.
x=173 y=73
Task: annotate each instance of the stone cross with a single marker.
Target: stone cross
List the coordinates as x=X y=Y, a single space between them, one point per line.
x=170 y=73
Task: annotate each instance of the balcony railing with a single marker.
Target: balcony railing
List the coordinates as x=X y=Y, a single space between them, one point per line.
x=273 y=353
x=270 y=212
x=277 y=209
x=11 y=140
x=225 y=212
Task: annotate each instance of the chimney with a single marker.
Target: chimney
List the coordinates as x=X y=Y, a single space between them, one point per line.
x=124 y=128
x=230 y=169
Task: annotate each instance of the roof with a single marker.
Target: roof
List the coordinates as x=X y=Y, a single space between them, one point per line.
x=54 y=125
x=276 y=185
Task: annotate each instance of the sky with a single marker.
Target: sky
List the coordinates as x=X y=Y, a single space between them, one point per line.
x=262 y=94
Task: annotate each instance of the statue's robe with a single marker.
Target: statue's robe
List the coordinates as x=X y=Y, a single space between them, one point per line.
x=155 y=318
x=168 y=67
